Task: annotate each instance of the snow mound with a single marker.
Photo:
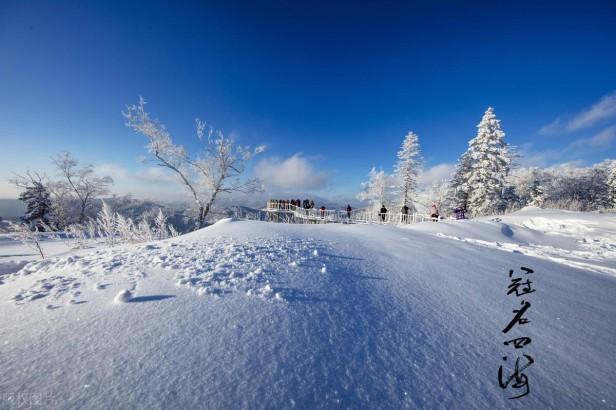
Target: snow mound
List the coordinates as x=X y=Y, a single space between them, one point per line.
x=123 y=296
x=224 y=221
x=571 y=227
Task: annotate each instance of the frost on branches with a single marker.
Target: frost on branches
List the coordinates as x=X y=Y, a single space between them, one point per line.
x=377 y=190
x=457 y=195
x=406 y=170
x=611 y=184
x=214 y=171
x=488 y=163
x=79 y=182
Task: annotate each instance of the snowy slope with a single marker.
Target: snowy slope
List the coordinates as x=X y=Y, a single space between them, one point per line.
x=262 y=315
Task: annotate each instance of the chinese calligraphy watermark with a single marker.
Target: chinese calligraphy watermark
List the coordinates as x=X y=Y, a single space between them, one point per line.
x=509 y=377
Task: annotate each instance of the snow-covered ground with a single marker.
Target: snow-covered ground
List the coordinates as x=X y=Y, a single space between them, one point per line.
x=260 y=315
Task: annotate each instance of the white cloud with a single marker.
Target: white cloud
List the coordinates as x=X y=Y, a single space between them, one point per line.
x=552 y=128
x=155 y=174
x=114 y=171
x=604 y=109
x=295 y=172
x=436 y=173
x=601 y=140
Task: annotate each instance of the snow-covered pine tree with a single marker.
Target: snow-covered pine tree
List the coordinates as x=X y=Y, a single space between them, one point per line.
x=407 y=169
x=611 y=184
x=597 y=190
x=490 y=167
x=536 y=193
x=457 y=196
x=38 y=202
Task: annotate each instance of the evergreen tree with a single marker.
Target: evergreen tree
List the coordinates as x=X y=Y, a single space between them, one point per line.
x=457 y=196
x=407 y=169
x=490 y=167
x=536 y=193
x=38 y=202
x=611 y=184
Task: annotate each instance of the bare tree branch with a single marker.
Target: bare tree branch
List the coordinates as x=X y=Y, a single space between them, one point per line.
x=216 y=170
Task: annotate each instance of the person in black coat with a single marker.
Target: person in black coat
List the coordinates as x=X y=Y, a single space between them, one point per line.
x=383 y=213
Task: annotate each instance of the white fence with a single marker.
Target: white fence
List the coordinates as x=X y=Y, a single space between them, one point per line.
x=358 y=216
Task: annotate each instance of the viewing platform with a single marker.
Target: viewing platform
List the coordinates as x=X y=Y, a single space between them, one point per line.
x=285 y=212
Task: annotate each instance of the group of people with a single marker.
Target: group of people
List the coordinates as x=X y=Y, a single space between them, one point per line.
x=287 y=203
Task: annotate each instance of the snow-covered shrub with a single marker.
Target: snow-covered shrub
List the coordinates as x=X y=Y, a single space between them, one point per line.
x=91 y=229
x=30 y=235
x=116 y=228
x=78 y=235
x=144 y=230
x=126 y=229
x=107 y=222
x=161 y=231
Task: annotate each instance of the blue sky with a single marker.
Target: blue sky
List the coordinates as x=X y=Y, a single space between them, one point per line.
x=331 y=88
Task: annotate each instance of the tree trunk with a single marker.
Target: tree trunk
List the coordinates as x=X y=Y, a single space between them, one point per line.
x=82 y=215
x=201 y=216
x=208 y=207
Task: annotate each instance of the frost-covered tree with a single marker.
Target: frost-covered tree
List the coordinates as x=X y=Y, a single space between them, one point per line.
x=598 y=193
x=436 y=193
x=536 y=193
x=458 y=193
x=377 y=190
x=490 y=166
x=531 y=187
x=63 y=205
x=407 y=169
x=81 y=182
x=216 y=170
x=36 y=197
x=611 y=184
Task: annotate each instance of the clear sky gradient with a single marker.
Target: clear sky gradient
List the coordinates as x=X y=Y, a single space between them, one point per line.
x=331 y=87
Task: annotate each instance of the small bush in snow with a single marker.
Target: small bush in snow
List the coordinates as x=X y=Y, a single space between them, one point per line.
x=31 y=235
x=78 y=235
x=116 y=228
